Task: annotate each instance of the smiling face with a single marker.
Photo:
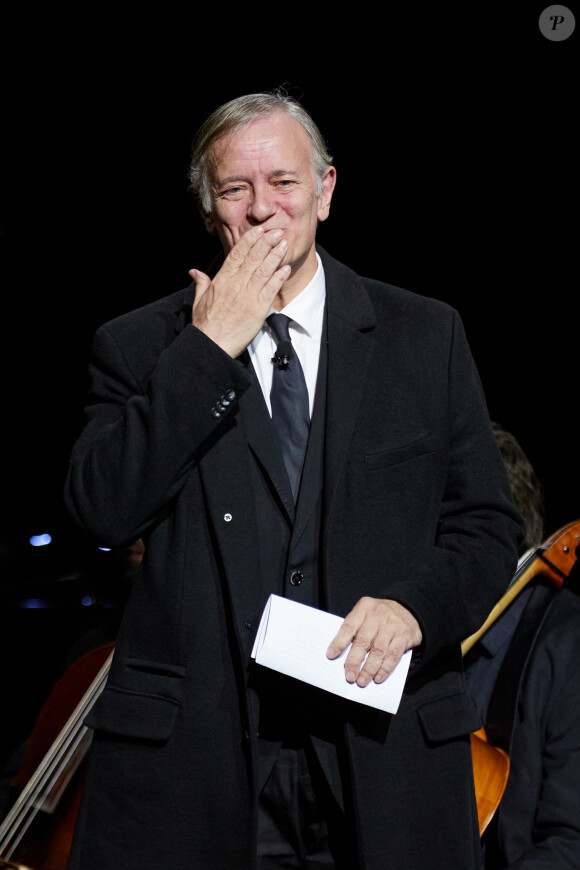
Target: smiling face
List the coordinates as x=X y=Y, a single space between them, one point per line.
x=263 y=175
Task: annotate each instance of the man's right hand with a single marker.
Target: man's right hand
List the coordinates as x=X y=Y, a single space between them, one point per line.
x=231 y=308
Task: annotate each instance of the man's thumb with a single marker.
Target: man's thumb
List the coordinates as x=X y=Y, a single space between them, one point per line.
x=202 y=282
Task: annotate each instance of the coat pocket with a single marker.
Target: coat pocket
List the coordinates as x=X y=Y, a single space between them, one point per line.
x=144 y=707
x=379 y=459
x=401 y=472
x=448 y=717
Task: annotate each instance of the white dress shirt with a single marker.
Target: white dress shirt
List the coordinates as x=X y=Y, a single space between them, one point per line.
x=306 y=313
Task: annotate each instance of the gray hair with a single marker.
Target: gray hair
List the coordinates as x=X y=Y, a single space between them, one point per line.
x=237 y=115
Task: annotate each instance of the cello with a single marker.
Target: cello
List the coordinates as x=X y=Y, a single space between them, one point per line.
x=36 y=834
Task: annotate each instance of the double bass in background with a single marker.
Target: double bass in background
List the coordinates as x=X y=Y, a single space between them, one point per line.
x=37 y=832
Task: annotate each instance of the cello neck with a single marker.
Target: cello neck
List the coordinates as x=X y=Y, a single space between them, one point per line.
x=553 y=559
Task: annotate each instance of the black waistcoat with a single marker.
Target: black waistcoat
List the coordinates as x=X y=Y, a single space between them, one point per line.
x=286 y=710
x=289 y=536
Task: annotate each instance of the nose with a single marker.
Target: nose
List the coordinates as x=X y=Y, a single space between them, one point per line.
x=262 y=206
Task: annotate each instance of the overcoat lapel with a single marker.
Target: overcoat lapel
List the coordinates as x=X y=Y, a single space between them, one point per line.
x=351 y=318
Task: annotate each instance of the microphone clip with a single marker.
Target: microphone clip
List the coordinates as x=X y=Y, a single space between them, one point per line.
x=281 y=361
x=283 y=355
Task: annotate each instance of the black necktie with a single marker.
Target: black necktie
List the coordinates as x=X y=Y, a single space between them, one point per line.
x=289 y=398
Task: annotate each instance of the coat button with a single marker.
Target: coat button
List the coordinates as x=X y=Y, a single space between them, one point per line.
x=228 y=518
x=230 y=395
x=296 y=578
x=215 y=413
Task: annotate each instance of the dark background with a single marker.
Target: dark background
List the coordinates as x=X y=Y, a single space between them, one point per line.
x=453 y=132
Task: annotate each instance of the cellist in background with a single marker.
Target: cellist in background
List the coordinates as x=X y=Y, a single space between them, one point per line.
x=523 y=676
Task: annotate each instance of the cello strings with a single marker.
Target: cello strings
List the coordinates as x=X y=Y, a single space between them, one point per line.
x=53 y=756
x=29 y=798
x=34 y=806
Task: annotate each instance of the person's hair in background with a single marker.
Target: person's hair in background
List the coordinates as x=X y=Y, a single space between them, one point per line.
x=526 y=489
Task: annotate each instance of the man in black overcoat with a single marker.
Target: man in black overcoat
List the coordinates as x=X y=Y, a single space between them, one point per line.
x=396 y=516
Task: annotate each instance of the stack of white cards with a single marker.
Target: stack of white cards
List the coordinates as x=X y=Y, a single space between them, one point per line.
x=293 y=638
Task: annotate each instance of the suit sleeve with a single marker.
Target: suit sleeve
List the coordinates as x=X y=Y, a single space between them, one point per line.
x=149 y=417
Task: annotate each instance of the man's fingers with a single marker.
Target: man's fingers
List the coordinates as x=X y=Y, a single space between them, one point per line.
x=250 y=251
x=360 y=649
x=254 y=267
x=239 y=252
x=388 y=665
x=268 y=269
x=380 y=631
x=262 y=260
x=380 y=663
x=202 y=281
x=276 y=281
x=372 y=660
x=346 y=634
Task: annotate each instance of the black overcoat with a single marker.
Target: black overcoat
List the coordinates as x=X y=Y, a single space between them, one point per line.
x=416 y=508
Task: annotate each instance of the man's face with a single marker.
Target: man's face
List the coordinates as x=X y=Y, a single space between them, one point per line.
x=264 y=175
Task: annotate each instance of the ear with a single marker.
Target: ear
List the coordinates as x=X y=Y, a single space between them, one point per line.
x=328 y=185
x=208 y=220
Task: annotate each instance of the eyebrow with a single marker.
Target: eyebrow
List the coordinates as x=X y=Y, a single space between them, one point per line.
x=276 y=173
x=230 y=178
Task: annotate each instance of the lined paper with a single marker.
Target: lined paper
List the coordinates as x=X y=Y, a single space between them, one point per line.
x=292 y=638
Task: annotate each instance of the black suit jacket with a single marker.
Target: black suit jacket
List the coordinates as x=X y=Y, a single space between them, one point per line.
x=416 y=508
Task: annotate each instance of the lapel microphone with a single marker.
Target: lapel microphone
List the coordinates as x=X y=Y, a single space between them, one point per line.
x=283 y=355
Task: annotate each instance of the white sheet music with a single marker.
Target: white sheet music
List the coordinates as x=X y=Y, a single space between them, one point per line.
x=293 y=638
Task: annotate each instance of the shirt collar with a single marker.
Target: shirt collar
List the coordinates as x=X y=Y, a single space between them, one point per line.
x=306 y=309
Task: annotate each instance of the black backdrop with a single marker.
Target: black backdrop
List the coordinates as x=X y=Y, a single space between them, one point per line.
x=453 y=132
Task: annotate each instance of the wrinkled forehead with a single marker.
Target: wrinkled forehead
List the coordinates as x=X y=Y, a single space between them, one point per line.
x=276 y=141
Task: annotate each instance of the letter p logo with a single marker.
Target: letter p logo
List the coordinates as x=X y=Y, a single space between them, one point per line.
x=557 y=23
